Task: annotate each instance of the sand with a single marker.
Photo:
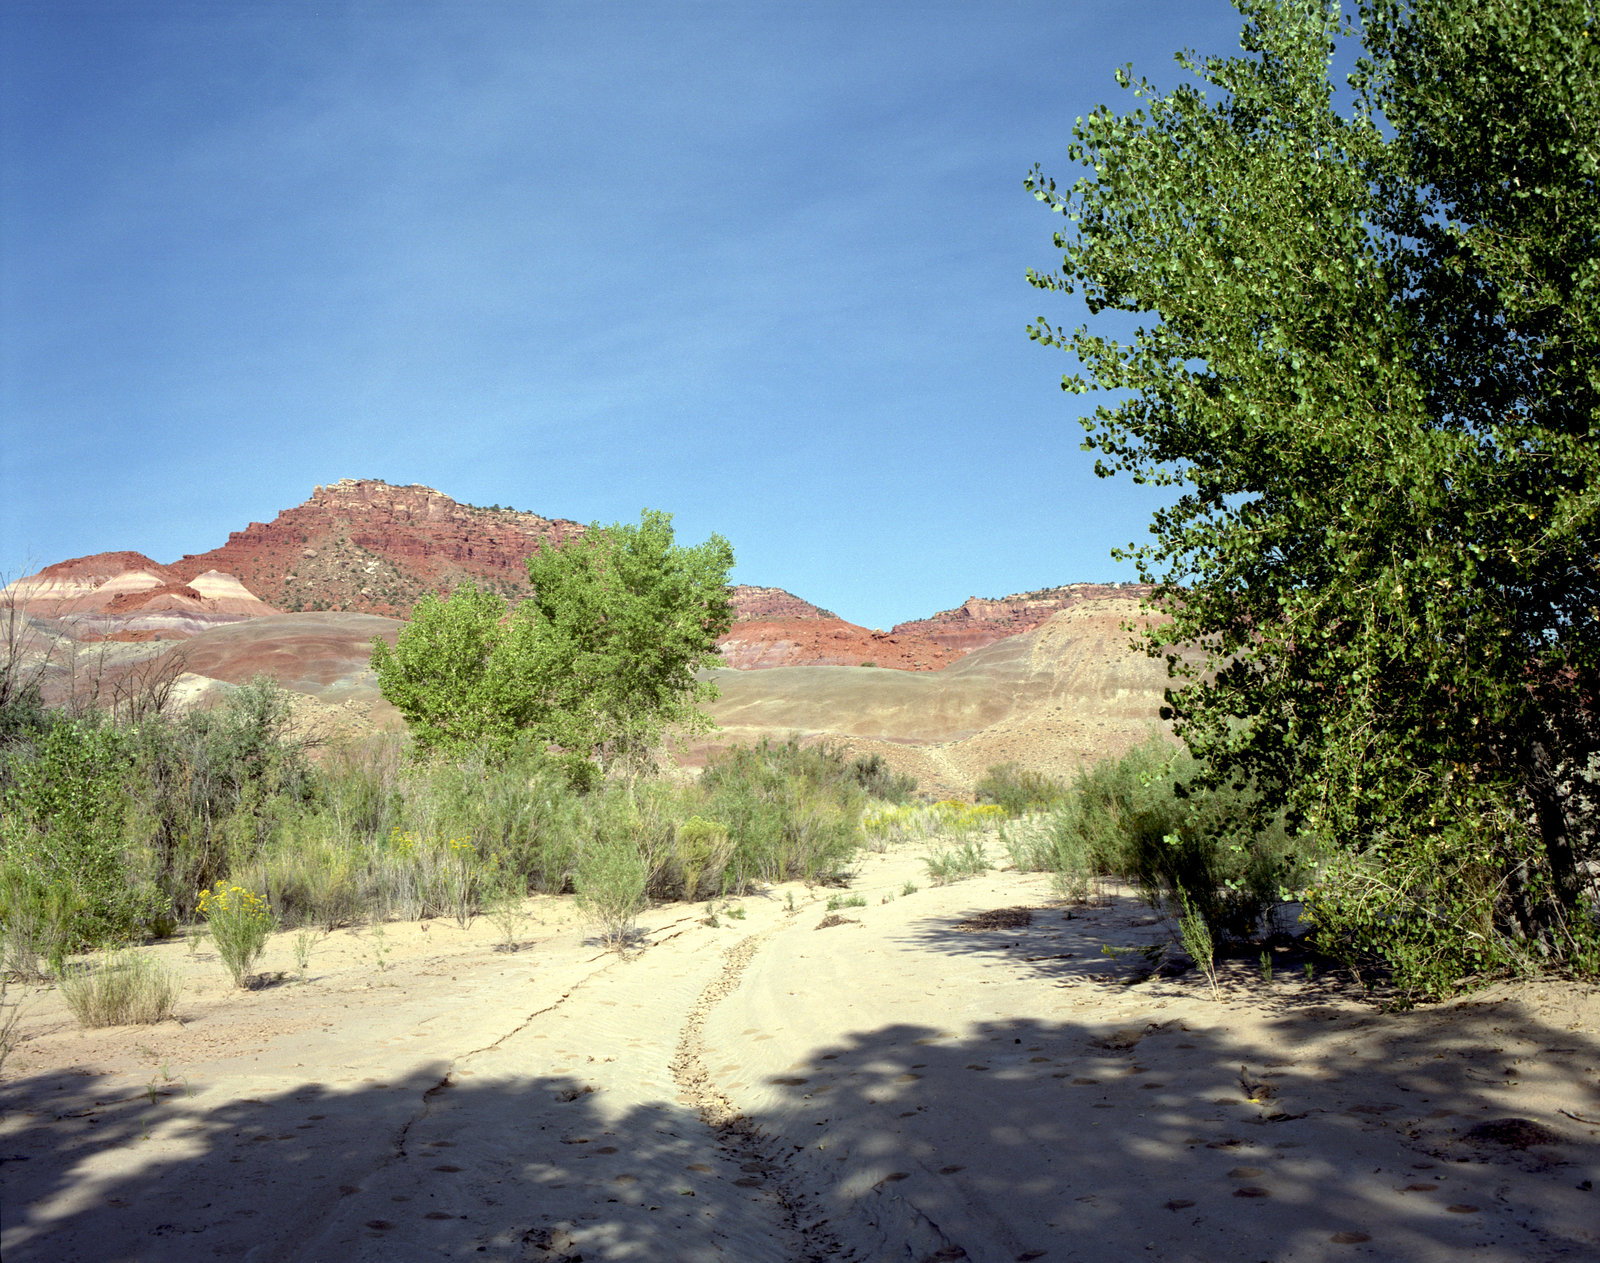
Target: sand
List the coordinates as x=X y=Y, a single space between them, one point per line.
x=955 y=1073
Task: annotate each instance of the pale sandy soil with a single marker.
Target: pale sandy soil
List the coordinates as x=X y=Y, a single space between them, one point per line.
x=894 y=1087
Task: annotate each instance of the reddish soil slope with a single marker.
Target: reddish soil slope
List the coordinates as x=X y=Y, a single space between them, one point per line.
x=104 y=566
x=777 y=629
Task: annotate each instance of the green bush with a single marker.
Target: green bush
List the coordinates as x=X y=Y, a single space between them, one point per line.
x=874 y=776
x=120 y=989
x=951 y=864
x=1018 y=789
x=210 y=790
x=37 y=921
x=792 y=811
x=611 y=878
x=521 y=814
x=63 y=801
x=240 y=924
x=1140 y=818
x=701 y=850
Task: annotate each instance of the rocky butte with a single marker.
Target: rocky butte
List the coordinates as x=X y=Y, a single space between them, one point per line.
x=362 y=545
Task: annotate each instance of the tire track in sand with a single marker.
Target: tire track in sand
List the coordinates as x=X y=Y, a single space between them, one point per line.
x=757 y=1154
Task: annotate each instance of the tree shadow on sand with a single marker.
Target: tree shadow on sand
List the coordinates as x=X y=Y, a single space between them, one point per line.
x=1072 y=1136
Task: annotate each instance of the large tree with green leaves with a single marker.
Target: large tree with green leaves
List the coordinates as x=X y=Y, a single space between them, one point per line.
x=1364 y=361
x=599 y=663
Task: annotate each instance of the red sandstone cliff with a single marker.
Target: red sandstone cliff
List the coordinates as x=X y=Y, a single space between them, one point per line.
x=363 y=545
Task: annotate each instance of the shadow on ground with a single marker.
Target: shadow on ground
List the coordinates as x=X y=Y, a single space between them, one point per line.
x=1070 y=1138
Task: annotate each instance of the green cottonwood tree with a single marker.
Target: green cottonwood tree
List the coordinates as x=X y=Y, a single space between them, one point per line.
x=1367 y=368
x=599 y=663
x=452 y=676
x=620 y=622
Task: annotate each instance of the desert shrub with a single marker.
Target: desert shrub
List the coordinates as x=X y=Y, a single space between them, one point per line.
x=953 y=863
x=1018 y=789
x=36 y=921
x=63 y=801
x=1137 y=817
x=1040 y=842
x=610 y=881
x=874 y=776
x=1452 y=883
x=358 y=786
x=314 y=876
x=521 y=813
x=211 y=789
x=120 y=989
x=701 y=849
x=415 y=875
x=240 y=923
x=791 y=810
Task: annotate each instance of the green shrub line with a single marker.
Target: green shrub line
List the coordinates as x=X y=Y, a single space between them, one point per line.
x=110 y=832
x=117 y=833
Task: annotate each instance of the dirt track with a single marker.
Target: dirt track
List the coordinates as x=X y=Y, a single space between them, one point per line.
x=905 y=1084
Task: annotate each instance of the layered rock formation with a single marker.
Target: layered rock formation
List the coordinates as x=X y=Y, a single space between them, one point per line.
x=981 y=621
x=777 y=629
x=126 y=596
x=363 y=545
x=753 y=604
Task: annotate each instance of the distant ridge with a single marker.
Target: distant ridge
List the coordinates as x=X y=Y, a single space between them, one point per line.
x=981 y=621
x=364 y=546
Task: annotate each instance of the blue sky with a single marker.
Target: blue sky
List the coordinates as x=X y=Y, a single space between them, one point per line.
x=760 y=265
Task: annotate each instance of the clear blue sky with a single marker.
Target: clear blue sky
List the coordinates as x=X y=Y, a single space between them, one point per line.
x=757 y=264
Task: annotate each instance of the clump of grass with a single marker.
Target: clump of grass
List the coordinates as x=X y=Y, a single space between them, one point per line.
x=240 y=922
x=910 y=888
x=508 y=911
x=10 y=1012
x=304 y=941
x=610 y=884
x=791 y=810
x=955 y=863
x=120 y=989
x=1196 y=935
x=36 y=919
x=835 y=902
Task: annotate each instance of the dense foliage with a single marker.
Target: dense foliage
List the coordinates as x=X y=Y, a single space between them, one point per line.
x=1367 y=368
x=113 y=832
x=1135 y=818
x=598 y=664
